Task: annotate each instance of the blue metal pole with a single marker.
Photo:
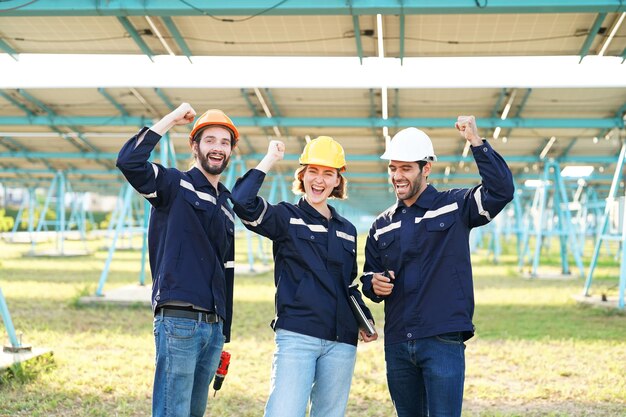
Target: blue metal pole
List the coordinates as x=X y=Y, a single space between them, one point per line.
x=164 y=147
x=517 y=210
x=8 y=323
x=539 y=231
x=605 y=218
x=622 y=269
x=61 y=213
x=272 y=195
x=144 y=244
x=18 y=216
x=558 y=207
x=31 y=213
x=497 y=247
x=526 y=229
x=566 y=221
x=118 y=229
x=42 y=216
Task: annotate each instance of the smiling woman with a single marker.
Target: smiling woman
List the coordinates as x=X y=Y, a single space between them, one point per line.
x=73 y=71
x=315 y=264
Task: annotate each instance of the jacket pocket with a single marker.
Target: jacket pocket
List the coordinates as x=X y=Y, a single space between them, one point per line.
x=440 y=223
x=196 y=202
x=389 y=249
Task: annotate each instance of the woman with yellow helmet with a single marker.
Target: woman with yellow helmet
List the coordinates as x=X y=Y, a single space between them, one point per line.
x=315 y=264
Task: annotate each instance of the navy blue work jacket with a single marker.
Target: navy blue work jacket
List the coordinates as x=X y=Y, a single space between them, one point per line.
x=191 y=231
x=314 y=262
x=427 y=246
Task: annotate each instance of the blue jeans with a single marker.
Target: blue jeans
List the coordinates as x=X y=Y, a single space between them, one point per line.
x=305 y=366
x=187 y=356
x=426 y=376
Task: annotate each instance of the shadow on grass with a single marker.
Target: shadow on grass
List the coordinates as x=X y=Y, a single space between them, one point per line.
x=27 y=371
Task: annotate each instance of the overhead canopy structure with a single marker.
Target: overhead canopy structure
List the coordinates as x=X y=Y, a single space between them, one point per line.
x=79 y=130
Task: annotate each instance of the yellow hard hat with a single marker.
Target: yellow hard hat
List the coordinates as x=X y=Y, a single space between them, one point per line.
x=214 y=117
x=324 y=151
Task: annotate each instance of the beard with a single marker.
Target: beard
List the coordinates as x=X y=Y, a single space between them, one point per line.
x=413 y=189
x=212 y=169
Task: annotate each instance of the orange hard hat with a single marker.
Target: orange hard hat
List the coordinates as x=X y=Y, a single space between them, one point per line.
x=214 y=117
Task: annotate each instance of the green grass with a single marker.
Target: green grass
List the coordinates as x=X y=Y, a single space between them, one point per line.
x=536 y=352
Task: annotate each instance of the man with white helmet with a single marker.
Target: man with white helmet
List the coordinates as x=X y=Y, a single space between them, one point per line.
x=417 y=260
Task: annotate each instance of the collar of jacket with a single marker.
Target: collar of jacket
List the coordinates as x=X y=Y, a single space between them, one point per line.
x=201 y=181
x=304 y=205
x=425 y=200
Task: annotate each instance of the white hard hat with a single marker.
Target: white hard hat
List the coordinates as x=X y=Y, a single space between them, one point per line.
x=410 y=145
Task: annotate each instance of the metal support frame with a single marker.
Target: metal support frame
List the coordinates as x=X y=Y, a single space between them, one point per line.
x=237 y=168
x=56 y=197
x=27 y=203
x=9 y=50
x=16 y=344
x=552 y=218
x=126 y=202
x=308 y=8
x=180 y=40
x=603 y=236
x=593 y=32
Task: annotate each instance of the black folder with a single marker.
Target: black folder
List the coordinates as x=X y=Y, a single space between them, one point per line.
x=364 y=323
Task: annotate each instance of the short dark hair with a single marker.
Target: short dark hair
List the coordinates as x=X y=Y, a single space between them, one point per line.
x=340 y=191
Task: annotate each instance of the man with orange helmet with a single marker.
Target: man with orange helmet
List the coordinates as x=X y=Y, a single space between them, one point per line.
x=315 y=264
x=192 y=253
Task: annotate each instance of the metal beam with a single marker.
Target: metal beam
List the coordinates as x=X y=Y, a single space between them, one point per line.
x=275 y=107
x=520 y=109
x=59 y=155
x=593 y=32
x=357 y=37
x=36 y=101
x=180 y=41
x=111 y=100
x=70 y=137
x=373 y=111
x=620 y=114
x=52 y=171
x=16 y=103
x=338 y=122
x=598 y=159
x=7 y=49
x=159 y=92
x=306 y=7
x=136 y=37
x=569 y=147
x=497 y=107
x=402 y=36
x=252 y=107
